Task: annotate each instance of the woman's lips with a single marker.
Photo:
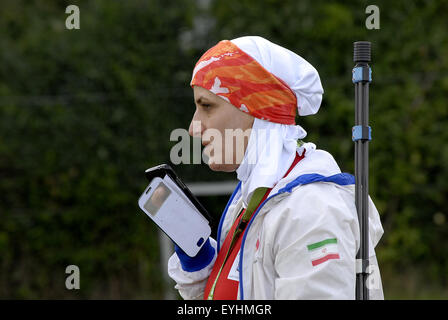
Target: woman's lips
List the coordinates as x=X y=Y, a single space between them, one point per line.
x=207 y=149
x=209 y=153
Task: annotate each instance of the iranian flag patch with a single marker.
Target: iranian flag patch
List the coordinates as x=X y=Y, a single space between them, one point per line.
x=323 y=251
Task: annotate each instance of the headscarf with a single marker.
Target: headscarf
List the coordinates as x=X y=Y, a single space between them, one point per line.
x=272 y=84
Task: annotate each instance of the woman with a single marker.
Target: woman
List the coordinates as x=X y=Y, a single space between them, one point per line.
x=290 y=229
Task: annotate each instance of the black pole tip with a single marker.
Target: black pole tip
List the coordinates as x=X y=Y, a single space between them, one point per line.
x=361 y=52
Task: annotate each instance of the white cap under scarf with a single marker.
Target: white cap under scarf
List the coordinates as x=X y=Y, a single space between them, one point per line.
x=272 y=146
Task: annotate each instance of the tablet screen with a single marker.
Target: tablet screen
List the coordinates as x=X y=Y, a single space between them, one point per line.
x=157 y=198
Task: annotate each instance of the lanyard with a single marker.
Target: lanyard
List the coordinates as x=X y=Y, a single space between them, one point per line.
x=254 y=202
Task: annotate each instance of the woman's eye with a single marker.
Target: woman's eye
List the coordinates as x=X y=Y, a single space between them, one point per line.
x=206 y=106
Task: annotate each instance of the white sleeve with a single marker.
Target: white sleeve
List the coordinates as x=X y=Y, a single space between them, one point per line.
x=314 y=245
x=191 y=285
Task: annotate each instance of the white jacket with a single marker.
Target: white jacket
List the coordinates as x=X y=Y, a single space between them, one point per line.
x=284 y=226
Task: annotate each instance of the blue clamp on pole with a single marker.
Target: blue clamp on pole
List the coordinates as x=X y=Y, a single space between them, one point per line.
x=362 y=74
x=361 y=133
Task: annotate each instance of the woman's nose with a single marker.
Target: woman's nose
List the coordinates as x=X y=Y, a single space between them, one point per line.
x=196 y=126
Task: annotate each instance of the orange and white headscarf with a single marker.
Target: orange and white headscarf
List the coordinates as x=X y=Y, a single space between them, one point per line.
x=272 y=84
x=261 y=78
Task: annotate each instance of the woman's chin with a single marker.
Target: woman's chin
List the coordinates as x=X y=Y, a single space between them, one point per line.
x=222 y=167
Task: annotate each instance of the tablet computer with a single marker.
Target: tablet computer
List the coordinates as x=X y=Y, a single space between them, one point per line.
x=176 y=211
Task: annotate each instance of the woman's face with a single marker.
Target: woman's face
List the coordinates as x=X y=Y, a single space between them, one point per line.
x=224 y=130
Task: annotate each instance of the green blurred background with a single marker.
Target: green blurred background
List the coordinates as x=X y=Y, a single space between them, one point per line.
x=84 y=112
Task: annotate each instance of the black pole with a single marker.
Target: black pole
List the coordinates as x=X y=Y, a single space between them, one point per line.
x=361 y=135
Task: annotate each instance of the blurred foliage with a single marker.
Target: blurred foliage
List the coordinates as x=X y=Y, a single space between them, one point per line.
x=84 y=112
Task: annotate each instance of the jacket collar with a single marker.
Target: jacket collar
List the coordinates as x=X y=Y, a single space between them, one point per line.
x=315 y=161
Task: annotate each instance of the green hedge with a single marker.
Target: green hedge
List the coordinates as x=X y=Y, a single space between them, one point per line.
x=84 y=112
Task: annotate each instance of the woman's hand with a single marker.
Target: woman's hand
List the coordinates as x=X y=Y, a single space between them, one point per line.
x=198 y=262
